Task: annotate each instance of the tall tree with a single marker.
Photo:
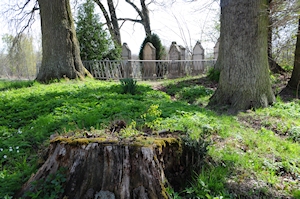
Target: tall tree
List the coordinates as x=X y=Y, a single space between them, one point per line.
x=243 y=57
x=295 y=78
x=93 y=40
x=61 y=55
x=21 y=57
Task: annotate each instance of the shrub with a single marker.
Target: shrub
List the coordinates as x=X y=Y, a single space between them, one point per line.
x=156 y=42
x=128 y=86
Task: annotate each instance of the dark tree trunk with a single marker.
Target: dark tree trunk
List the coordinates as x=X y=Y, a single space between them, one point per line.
x=137 y=169
x=273 y=65
x=146 y=19
x=61 y=55
x=111 y=21
x=295 y=78
x=243 y=59
x=144 y=15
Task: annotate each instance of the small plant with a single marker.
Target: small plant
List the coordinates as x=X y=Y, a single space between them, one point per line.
x=129 y=131
x=213 y=74
x=49 y=188
x=128 y=85
x=208 y=184
x=152 y=117
x=294 y=134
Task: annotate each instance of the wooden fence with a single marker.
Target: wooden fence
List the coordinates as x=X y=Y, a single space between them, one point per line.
x=147 y=69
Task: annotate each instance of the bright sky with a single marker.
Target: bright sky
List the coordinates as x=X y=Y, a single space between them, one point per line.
x=185 y=23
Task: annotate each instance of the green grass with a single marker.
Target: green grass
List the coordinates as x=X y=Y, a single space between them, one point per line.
x=261 y=145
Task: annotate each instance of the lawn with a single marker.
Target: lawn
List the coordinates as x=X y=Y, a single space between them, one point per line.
x=250 y=154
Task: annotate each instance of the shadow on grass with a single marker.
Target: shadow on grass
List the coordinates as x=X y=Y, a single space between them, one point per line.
x=8 y=85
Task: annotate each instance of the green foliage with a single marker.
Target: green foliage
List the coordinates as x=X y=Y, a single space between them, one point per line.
x=208 y=184
x=49 y=188
x=152 y=118
x=8 y=85
x=258 y=145
x=294 y=133
x=21 y=56
x=213 y=74
x=156 y=42
x=128 y=86
x=94 y=42
x=189 y=92
x=130 y=130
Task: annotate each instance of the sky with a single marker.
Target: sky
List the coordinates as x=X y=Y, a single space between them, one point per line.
x=183 y=22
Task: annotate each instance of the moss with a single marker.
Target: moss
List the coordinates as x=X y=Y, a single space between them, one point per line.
x=74 y=141
x=156 y=142
x=163 y=191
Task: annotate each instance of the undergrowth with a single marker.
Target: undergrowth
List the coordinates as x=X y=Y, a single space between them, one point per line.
x=255 y=152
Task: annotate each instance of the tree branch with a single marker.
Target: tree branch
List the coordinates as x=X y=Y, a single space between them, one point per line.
x=133 y=20
x=136 y=8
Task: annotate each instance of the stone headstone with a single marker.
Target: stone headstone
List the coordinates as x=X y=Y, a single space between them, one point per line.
x=176 y=53
x=198 y=57
x=126 y=52
x=216 y=49
x=149 y=69
x=182 y=52
x=126 y=65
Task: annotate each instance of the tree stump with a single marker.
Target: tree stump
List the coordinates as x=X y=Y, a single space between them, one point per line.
x=139 y=168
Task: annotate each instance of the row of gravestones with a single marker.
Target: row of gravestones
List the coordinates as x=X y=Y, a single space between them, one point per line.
x=176 y=52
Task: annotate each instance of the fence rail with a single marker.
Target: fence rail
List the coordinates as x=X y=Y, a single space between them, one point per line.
x=147 y=69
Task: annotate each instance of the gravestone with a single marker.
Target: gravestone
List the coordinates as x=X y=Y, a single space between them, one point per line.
x=149 y=69
x=176 y=54
x=126 y=65
x=198 y=57
x=216 y=49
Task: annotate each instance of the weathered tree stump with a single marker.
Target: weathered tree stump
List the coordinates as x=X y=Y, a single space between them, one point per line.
x=109 y=168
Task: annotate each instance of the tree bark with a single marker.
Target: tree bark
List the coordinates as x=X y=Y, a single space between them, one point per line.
x=141 y=168
x=243 y=57
x=295 y=78
x=274 y=66
x=61 y=55
x=111 y=20
x=144 y=15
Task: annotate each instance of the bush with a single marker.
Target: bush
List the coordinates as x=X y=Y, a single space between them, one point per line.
x=213 y=74
x=155 y=40
x=128 y=85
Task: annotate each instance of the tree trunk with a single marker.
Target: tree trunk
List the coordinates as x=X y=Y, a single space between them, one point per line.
x=144 y=15
x=243 y=57
x=111 y=21
x=145 y=18
x=274 y=66
x=61 y=55
x=140 y=168
x=295 y=78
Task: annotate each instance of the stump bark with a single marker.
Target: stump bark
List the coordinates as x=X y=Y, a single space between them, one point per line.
x=100 y=168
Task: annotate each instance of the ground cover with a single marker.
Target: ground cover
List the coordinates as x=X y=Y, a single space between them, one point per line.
x=254 y=154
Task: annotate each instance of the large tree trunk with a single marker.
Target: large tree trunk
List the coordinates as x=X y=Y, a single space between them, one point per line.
x=61 y=55
x=243 y=57
x=141 y=168
x=295 y=78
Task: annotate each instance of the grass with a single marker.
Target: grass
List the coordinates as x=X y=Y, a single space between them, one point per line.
x=252 y=154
